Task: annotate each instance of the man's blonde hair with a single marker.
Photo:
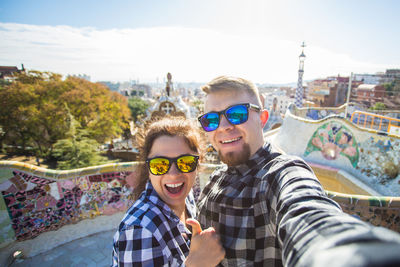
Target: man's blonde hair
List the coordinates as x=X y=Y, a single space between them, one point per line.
x=234 y=85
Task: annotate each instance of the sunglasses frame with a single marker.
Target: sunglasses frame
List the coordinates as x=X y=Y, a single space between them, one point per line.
x=172 y=161
x=247 y=105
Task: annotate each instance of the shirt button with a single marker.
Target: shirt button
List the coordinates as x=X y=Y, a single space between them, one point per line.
x=181 y=227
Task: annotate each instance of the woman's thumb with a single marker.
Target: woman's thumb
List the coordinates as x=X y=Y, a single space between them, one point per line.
x=196 y=228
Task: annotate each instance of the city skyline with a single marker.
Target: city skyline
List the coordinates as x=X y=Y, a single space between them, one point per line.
x=197 y=41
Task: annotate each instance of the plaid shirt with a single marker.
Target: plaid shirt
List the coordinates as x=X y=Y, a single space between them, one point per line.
x=272 y=211
x=150 y=234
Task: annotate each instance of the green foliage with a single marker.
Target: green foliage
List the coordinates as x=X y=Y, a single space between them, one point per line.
x=198 y=104
x=379 y=106
x=393 y=88
x=388 y=88
x=77 y=150
x=33 y=110
x=4 y=83
x=138 y=107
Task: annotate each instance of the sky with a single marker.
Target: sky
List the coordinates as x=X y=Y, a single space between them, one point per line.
x=197 y=41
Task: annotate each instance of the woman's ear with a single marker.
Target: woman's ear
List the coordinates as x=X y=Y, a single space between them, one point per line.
x=264 y=117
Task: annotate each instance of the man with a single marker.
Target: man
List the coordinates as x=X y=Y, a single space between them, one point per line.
x=269 y=209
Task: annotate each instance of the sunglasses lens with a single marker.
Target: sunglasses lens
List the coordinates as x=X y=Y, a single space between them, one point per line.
x=210 y=121
x=186 y=163
x=159 y=166
x=237 y=114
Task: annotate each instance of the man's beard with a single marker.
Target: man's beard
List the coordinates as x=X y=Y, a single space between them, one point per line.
x=234 y=158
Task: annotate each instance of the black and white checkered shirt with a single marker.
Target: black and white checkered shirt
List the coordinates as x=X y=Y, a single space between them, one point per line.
x=272 y=211
x=150 y=233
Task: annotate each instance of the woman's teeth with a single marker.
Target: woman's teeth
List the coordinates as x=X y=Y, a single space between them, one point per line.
x=173 y=185
x=231 y=140
x=174 y=188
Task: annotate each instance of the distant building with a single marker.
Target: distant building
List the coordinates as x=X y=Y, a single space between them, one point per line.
x=369 y=78
x=112 y=86
x=277 y=101
x=132 y=90
x=369 y=94
x=7 y=72
x=318 y=90
x=330 y=92
x=390 y=75
x=379 y=78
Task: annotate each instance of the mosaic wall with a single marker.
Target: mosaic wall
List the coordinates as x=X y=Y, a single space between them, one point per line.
x=380 y=160
x=333 y=139
x=37 y=205
x=379 y=211
x=317 y=114
x=321 y=113
x=33 y=203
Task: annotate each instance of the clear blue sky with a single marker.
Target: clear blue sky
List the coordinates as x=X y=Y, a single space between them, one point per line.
x=367 y=33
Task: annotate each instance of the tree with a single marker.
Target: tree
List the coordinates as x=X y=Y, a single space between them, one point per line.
x=138 y=107
x=199 y=104
x=30 y=116
x=77 y=150
x=379 y=106
x=33 y=110
x=388 y=88
x=393 y=88
x=104 y=113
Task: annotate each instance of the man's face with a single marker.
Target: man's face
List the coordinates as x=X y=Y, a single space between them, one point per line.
x=234 y=143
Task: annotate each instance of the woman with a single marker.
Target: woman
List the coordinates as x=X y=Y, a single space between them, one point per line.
x=154 y=231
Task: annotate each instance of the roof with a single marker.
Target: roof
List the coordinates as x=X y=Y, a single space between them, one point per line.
x=366 y=86
x=8 y=69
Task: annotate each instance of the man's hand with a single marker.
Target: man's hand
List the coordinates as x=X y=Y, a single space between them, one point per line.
x=205 y=246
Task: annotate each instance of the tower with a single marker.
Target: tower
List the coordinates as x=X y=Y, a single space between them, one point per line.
x=299 y=90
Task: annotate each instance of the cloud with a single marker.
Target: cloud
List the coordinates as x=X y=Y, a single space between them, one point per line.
x=190 y=54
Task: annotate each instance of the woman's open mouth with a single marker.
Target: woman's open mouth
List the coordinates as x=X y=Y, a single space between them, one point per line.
x=174 y=188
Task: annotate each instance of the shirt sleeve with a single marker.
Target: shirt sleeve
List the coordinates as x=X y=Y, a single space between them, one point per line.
x=309 y=224
x=137 y=246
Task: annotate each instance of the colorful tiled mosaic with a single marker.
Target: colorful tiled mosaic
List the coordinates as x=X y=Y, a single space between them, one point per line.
x=37 y=205
x=317 y=114
x=379 y=211
x=333 y=139
x=380 y=158
x=37 y=201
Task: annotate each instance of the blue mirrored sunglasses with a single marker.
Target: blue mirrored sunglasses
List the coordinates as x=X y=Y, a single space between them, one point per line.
x=236 y=114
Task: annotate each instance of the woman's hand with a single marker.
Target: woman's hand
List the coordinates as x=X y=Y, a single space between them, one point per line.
x=205 y=246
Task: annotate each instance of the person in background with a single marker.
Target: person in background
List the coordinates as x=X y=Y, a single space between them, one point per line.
x=155 y=230
x=268 y=208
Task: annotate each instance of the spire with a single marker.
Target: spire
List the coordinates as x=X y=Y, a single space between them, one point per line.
x=300 y=91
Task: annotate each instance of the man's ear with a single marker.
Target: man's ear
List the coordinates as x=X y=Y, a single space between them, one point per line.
x=264 y=117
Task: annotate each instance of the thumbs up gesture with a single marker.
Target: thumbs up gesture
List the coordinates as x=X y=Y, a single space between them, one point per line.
x=196 y=227
x=205 y=246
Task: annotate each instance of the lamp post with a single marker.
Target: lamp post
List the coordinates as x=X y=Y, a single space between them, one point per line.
x=348 y=95
x=300 y=90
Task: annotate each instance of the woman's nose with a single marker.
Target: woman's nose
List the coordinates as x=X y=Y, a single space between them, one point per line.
x=173 y=170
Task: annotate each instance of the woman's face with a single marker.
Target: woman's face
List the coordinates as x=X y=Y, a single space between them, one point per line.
x=173 y=186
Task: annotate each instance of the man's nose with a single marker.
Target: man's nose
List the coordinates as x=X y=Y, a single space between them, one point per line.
x=224 y=123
